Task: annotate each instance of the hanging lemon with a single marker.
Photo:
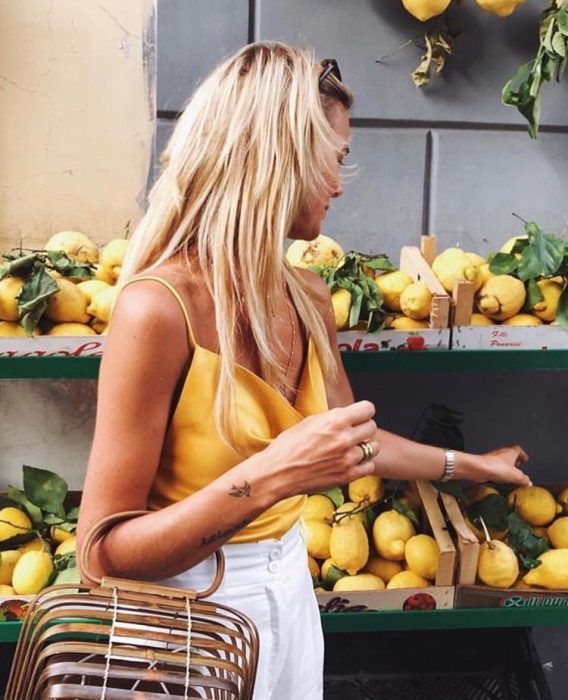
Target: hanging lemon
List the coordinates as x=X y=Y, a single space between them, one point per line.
x=425 y=9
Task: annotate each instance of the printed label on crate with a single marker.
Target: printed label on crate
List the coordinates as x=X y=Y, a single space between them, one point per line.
x=352 y=341
x=406 y=599
x=482 y=596
x=501 y=337
x=52 y=346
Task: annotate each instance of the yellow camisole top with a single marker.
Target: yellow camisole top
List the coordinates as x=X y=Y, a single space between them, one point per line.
x=193 y=453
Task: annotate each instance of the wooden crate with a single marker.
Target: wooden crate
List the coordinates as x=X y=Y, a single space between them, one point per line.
x=438 y=596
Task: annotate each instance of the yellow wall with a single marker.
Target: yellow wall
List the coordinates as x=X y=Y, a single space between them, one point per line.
x=77 y=116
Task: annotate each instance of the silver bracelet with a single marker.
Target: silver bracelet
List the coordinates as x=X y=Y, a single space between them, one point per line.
x=449 y=465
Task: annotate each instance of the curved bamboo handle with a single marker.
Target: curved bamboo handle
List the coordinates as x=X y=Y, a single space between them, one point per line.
x=104 y=525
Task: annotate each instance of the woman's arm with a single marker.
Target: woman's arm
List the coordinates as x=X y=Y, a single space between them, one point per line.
x=400 y=458
x=145 y=353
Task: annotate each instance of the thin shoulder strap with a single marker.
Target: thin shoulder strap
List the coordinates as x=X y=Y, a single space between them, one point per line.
x=176 y=295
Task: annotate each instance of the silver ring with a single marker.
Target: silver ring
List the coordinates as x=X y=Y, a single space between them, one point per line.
x=368 y=452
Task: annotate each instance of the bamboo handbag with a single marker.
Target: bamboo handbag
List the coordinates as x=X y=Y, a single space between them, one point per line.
x=125 y=639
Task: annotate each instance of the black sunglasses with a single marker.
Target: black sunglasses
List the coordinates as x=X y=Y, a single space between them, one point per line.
x=330 y=67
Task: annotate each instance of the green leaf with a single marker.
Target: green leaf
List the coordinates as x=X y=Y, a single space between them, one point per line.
x=525 y=544
x=64 y=561
x=32 y=300
x=542 y=256
x=493 y=509
x=503 y=263
x=456 y=488
x=73 y=514
x=15 y=541
x=404 y=509
x=562 y=309
x=19 y=266
x=46 y=489
x=69 y=575
x=559 y=44
x=36 y=516
x=562 y=20
x=508 y=94
x=335 y=495
x=356 y=303
x=51 y=519
x=69 y=267
x=332 y=576
x=534 y=295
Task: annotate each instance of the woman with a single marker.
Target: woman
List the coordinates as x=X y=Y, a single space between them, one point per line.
x=222 y=397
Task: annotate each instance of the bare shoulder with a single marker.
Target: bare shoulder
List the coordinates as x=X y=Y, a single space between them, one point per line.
x=318 y=289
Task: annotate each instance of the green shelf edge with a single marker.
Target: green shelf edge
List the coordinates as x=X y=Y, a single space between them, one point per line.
x=382 y=361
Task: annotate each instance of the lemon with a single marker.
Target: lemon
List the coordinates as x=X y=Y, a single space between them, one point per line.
x=391 y=285
x=323 y=250
x=454 y=265
x=71 y=329
x=319 y=534
x=422 y=554
x=11 y=329
x=497 y=565
x=6 y=590
x=32 y=572
x=112 y=256
x=10 y=288
x=552 y=572
x=416 y=300
x=102 y=274
x=13 y=521
x=319 y=507
x=383 y=568
x=59 y=535
x=501 y=297
x=551 y=291
x=75 y=244
x=391 y=531
x=562 y=501
x=349 y=507
x=341 y=302
x=359 y=582
x=313 y=566
x=91 y=287
x=508 y=246
x=8 y=559
x=484 y=272
x=403 y=323
x=425 y=9
x=349 y=546
x=368 y=489
x=533 y=504
x=480 y=320
x=501 y=8
x=330 y=573
x=68 y=545
x=523 y=320
x=68 y=305
x=102 y=303
x=36 y=545
x=407 y=579
x=557 y=533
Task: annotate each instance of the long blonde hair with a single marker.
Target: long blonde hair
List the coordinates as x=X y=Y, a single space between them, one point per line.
x=252 y=145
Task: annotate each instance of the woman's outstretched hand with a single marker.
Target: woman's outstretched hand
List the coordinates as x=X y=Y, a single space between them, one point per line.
x=500 y=465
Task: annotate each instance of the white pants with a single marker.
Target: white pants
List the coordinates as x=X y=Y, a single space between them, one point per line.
x=270 y=582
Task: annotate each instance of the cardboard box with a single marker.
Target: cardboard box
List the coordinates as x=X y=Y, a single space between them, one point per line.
x=468 y=593
x=438 y=596
x=499 y=337
x=52 y=346
x=437 y=336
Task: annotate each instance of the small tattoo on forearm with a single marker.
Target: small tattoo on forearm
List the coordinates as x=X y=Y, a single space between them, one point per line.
x=240 y=491
x=223 y=534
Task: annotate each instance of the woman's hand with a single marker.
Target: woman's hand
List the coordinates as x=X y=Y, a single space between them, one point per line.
x=324 y=450
x=500 y=465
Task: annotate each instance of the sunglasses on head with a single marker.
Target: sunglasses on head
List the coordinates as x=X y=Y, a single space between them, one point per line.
x=330 y=67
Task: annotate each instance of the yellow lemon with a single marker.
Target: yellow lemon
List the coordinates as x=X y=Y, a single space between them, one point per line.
x=391 y=285
x=112 y=256
x=330 y=573
x=497 y=565
x=349 y=545
x=102 y=303
x=557 y=533
x=523 y=320
x=416 y=300
x=11 y=329
x=32 y=572
x=345 y=512
x=501 y=8
x=422 y=554
x=368 y=489
x=501 y=297
x=551 y=291
x=562 y=501
x=103 y=275
x=71 y=329
x=319 y=534
x=59 y=535
x=480 y=320
x=10 y=288
x=407 y=579
x=552 y=572
x=454 y=265
x=6 y=590
x=383 y=568
x=319 y=507
x=391 y=531
x=68 y=305
x=484 y=272
x=75 y=244
x=323 y=250
x=359 y=582
x=425 y=9
x=91 y=287
x=13 y=521
x=38 y=544
x=533 y=504
x=313 y=566
x=341 y=302
x=69 y=545
x=8 y=559
x=403 y=323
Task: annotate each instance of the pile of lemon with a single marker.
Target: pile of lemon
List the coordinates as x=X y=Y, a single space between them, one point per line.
x=79 y=307
x=498 y=564
x=364 y=544
x=30 y=567
x=426 y=9
x=499 y=299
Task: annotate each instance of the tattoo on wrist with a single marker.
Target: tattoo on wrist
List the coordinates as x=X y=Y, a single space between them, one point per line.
x=223 y=534
x=239 y=491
